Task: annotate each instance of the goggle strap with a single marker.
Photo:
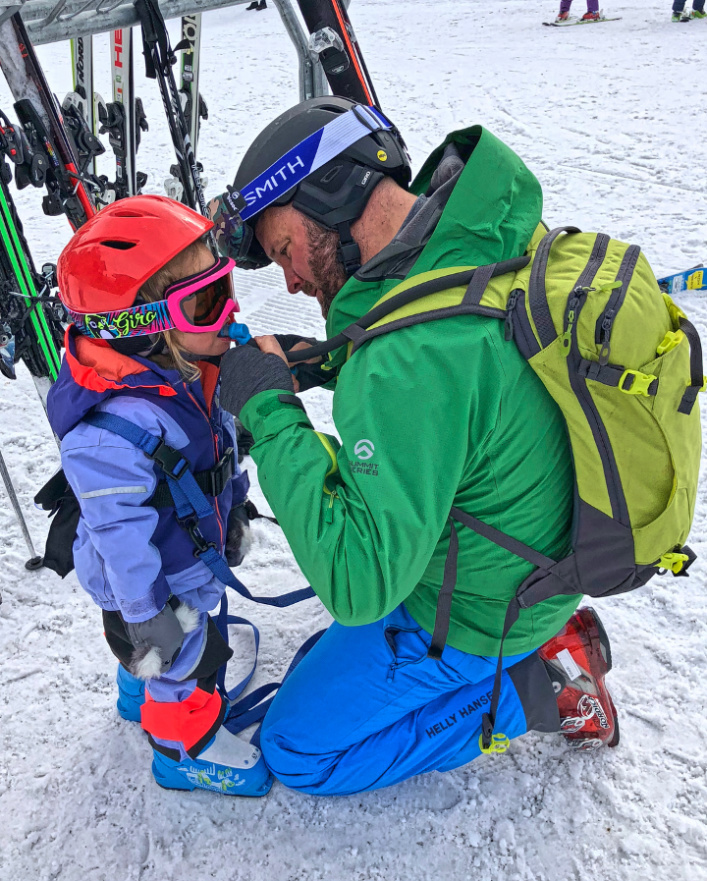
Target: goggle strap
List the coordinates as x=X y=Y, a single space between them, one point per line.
x=298 y=163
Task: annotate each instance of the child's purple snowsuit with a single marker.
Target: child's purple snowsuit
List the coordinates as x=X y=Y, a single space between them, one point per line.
x=130 y=556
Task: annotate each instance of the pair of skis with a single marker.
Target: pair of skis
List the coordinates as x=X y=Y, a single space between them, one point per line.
x=160 y=57
x=193 y=104
x=122 y=119
x=570 y=22
x=40 y=117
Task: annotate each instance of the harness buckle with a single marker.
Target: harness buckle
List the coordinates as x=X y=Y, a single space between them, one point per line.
x=222 y=472
x=191 y=524
x=169 y=460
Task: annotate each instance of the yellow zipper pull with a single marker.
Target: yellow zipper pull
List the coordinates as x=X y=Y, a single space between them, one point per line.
x=329 y=513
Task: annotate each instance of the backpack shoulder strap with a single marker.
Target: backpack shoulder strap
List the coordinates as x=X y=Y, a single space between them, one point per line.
x=471 y=280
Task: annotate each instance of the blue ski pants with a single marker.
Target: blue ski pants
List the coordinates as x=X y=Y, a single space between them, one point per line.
x=367 y=708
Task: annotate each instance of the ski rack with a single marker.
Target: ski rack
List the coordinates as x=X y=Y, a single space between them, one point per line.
x=51 y=21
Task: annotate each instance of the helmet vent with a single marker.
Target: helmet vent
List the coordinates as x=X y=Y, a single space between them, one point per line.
x=119 y=246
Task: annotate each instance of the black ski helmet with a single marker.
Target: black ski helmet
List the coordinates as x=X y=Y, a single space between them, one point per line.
x=336 y=194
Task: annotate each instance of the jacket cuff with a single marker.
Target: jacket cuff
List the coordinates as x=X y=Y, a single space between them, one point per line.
x=271 y=411
x=143 y=608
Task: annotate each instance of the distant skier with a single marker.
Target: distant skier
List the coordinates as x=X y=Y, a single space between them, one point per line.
x=142 y=267
x=257 y=5
x=592 y=13
x=682 y=14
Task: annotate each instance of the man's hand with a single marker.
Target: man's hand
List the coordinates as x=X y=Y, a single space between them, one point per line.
x=247 y=371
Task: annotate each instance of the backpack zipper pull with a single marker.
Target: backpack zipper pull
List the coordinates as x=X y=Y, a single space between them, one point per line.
x=606 y=325
x=510 y=308
x=570 y=318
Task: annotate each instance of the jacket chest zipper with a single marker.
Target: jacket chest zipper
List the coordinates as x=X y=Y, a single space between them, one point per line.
x=216 y=456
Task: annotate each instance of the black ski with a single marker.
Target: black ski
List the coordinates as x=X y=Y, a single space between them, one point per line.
x=193 y=103
x=40 y=116
x=30 y=318
x=159 y=59
x=333 y=39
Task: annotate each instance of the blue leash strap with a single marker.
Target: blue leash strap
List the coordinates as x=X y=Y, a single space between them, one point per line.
x=216 y=563
x=222 y=620
x=191 y=505
x=253 y=707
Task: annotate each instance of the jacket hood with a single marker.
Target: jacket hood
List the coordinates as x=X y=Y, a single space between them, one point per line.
x=491 y=213
x=91 y=372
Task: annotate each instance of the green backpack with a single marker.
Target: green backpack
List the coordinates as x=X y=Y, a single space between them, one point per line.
x=624 y=365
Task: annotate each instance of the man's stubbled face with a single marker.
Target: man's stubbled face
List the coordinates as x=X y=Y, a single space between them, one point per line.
x=325 y=263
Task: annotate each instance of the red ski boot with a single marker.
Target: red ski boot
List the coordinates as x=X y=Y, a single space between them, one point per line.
x=591 y=16
x=563 y=16
x=577 y=659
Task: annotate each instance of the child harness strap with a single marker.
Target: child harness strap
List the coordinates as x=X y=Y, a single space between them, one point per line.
x=191 y=505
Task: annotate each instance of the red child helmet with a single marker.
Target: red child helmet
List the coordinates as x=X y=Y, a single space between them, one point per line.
x=108 y=259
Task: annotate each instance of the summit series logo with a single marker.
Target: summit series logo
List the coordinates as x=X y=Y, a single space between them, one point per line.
x=364 y=449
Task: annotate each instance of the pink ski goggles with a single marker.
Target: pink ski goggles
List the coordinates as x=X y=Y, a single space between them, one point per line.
x=200 y=303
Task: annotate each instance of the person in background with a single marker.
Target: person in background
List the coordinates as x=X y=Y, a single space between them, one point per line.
x=592 y=13
x=682 y=14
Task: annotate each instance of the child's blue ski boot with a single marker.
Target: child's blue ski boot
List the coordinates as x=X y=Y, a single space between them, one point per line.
x=131 y=695
x=226 y=765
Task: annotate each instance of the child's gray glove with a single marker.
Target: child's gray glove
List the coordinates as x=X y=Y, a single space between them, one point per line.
x=238 y=536
x=157 y=643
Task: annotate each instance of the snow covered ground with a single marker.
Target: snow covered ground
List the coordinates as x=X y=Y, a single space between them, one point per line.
x=611 y=119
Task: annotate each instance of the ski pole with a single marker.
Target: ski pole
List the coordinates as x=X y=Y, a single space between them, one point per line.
x=34 y=562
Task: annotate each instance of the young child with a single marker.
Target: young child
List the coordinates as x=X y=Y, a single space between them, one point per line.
x=592 y=13
x=682 y=14
x=147 y=298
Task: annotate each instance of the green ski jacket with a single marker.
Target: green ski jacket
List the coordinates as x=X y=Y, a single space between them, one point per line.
x=441 y=414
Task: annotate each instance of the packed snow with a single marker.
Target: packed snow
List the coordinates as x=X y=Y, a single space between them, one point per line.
x=611 y=119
